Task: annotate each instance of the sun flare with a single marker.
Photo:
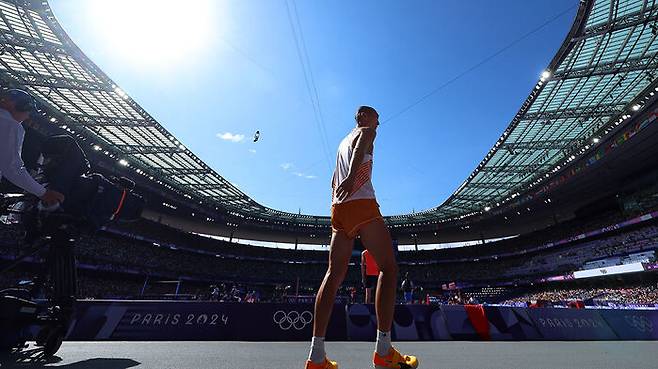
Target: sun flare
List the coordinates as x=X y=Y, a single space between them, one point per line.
x=155 y=33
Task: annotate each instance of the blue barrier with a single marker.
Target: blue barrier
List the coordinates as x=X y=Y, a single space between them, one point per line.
x=571 y=324
x=191 y=320
x=632 y=324
x=511 y=324
x=410 y=323
x=459 y=325
x=439 y=323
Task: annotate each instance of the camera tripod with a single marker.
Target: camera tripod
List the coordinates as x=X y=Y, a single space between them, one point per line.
x=43 y=309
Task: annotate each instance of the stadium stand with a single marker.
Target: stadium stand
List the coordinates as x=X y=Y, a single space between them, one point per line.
x=200 y=262
x=593 y=296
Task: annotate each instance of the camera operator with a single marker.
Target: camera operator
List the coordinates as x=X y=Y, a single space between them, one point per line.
x=15 y=107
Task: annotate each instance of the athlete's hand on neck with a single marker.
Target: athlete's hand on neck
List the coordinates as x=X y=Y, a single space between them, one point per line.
x=344 y=189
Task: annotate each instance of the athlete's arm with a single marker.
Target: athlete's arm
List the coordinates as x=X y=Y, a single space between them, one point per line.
x=364 y=143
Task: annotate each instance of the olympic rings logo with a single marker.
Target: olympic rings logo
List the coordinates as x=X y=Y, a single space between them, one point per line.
x=640 y=323
x=292 y=319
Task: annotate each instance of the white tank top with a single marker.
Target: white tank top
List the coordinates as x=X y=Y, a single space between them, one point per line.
x=363 y=188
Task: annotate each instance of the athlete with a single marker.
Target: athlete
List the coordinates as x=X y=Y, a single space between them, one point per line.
x=355 y=211
x=408 y=289
x=369 y=274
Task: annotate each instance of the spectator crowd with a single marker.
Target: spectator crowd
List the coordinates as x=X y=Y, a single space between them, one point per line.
x=135 y=259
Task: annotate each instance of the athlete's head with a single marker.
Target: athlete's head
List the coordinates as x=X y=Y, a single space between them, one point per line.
x=367 y=116
x=18 y=103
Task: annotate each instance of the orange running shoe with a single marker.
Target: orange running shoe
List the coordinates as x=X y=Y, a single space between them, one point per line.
x=394 y=360
x=328 y=364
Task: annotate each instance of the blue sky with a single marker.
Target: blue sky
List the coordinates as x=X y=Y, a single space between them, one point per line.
x=214 y=72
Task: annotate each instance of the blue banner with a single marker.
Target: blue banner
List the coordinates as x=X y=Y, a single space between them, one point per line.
x=632 y=324
x=361 y=322
x=570 y=324
x=510 y=323
x=192 y=320
x=189 y=320
x=458 y=324
x=410 y=323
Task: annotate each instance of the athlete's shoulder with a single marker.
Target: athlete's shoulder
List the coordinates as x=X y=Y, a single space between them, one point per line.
x=367 y=132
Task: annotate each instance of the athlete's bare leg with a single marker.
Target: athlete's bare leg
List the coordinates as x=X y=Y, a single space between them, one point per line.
x=377 y=240
x=368 y=295
x=339 y=258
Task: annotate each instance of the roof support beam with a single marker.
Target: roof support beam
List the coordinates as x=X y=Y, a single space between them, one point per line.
x=514 y=169
x=475 y=198
x=536 y=145
x=90 y=121
x=184 y=171
x=603 y=110
x=54 y=82
x=646 y=62
x=206 y=186
x=144 y=150
x=629 y=20
x=230 y=198
x=457 y=207
x=494 y=185
x=14 y=42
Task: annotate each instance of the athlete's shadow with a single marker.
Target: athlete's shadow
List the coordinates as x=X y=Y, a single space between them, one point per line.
x=33 y=359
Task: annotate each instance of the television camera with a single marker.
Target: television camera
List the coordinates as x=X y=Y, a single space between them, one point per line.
x=42 y=309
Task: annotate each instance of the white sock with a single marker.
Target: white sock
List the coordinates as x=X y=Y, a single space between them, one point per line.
x=317 y=353
x=383 y=343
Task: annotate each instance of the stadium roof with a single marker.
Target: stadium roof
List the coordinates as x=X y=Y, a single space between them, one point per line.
x=605 y=65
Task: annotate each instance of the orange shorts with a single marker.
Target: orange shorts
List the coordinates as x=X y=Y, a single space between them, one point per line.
x=351 y=216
